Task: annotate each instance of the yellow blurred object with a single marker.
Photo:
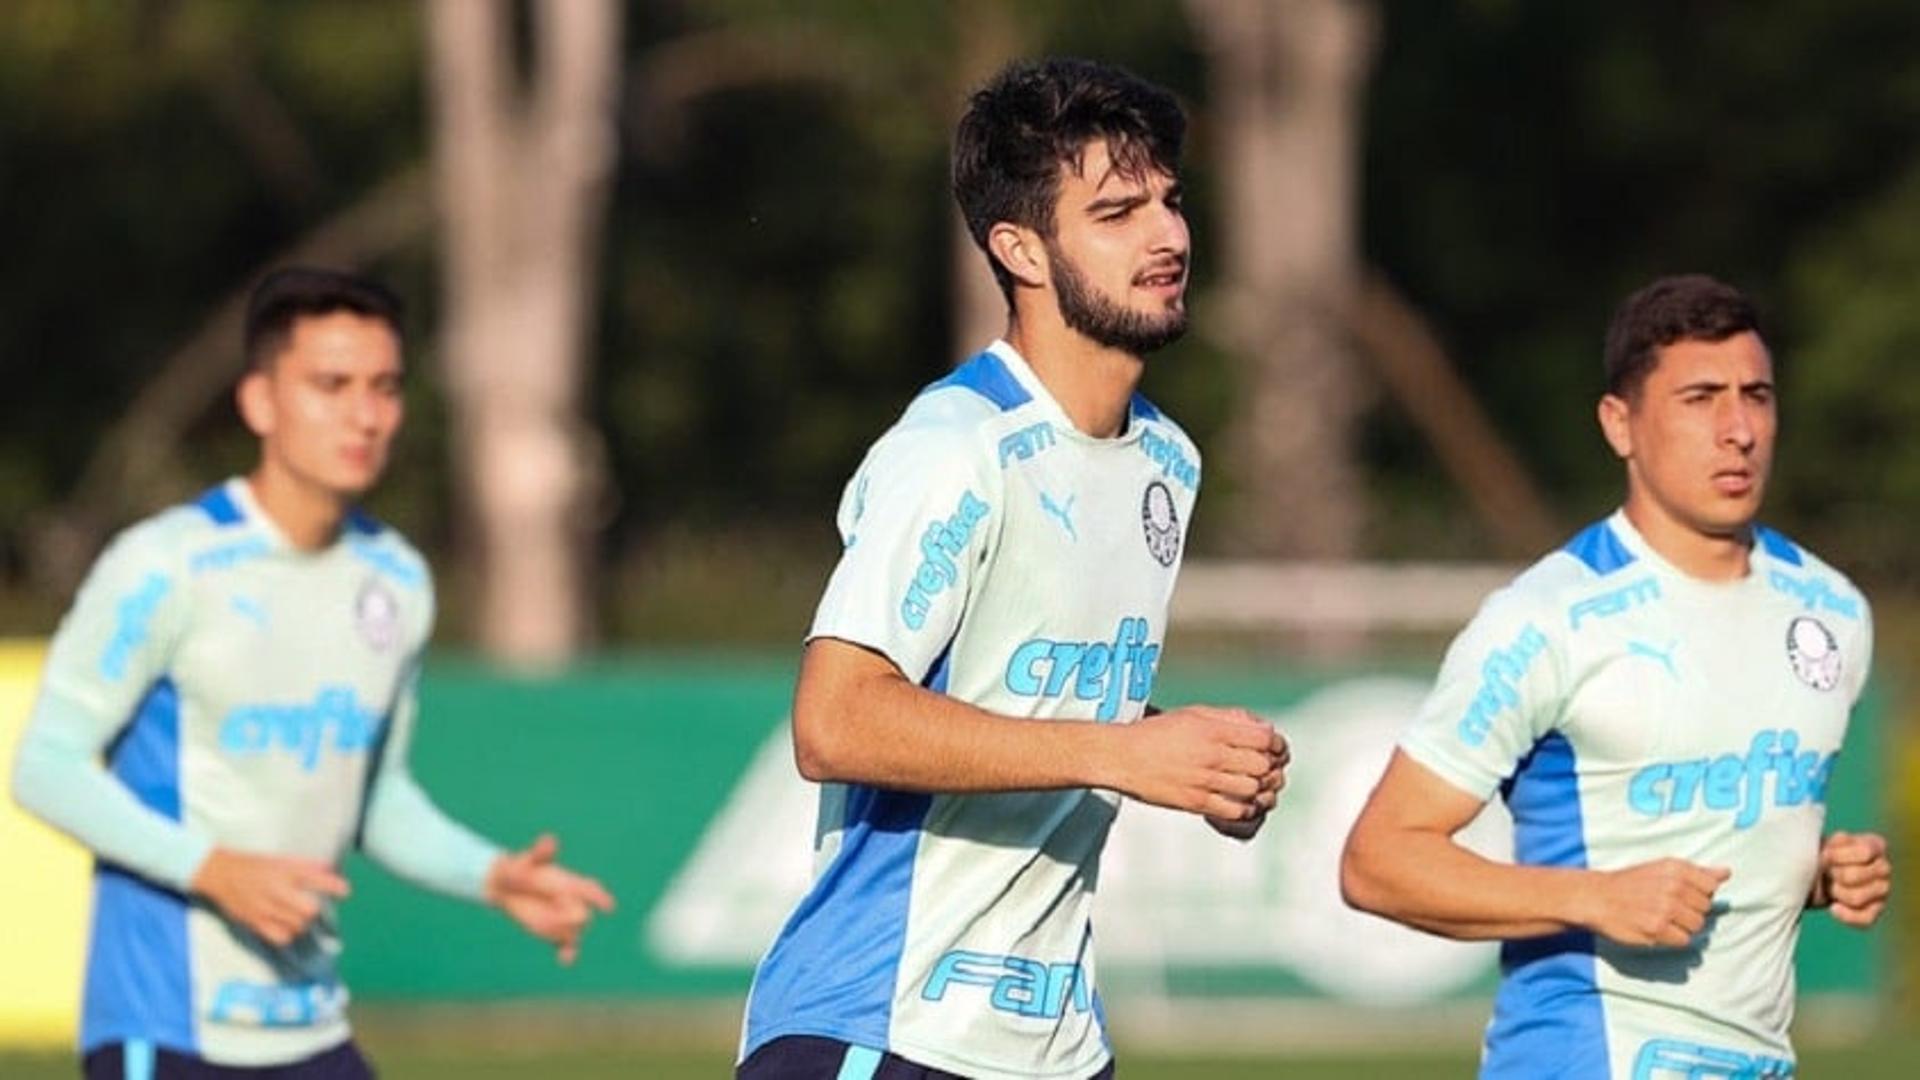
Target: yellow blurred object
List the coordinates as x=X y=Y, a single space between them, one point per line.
x=43 y=903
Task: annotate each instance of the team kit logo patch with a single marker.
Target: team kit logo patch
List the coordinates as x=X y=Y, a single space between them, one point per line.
x=376 y=614
x=1161 y=523
x=1814 y=653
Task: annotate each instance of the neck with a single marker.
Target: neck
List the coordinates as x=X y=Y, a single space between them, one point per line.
x=1705 y=555
x=309 y=517
x=1093 y=384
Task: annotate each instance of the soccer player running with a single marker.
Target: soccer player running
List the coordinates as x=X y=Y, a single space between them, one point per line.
x=974 y=684
x=1660 y=702
x=247 y=666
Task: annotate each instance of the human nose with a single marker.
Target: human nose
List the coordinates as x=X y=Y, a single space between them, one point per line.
x=1738 y=425
x=367 y=408
x=1172 y=235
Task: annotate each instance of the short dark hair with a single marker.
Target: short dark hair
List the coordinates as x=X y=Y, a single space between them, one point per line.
x=291 y=292
x=1035 y=117
x=1685 y=307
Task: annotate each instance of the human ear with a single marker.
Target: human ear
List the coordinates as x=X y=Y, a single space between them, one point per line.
x=1020 y=251
x=254 y=397
x=1613 y=413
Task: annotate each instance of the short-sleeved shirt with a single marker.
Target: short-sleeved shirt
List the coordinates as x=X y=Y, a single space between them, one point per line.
x=256 y=684
x=1629 y=712
x=996 y=554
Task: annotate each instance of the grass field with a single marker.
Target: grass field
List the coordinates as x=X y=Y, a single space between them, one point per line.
x=1890 y=1057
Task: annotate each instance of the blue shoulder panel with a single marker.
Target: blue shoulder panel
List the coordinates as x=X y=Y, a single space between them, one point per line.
x=139 y=980
x=1547 y=1017
x=361 y=522
x=1778 y=546
x=220 y=506
x=1144 y=409
x=834 y=968
x=1598 y=547
x=987 y=376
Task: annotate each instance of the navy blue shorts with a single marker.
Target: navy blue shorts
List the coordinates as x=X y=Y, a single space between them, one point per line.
x=145 y=1061
x=809 y=1057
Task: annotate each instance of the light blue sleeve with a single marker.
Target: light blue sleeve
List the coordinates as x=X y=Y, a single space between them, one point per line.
x=1499 y=690
x=111 y=651
x=405 y=832
x=917 y=521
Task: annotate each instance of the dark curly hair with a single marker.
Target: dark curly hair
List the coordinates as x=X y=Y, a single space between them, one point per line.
x=1686 y=307
x=1036 y=117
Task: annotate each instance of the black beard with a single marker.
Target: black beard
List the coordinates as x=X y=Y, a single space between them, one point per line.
x=1106 y=323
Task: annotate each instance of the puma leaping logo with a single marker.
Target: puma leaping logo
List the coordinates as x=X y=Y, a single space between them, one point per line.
x=1062 y=514
x=1662 y=656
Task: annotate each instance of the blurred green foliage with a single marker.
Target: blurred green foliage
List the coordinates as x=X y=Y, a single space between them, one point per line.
x=776 y=266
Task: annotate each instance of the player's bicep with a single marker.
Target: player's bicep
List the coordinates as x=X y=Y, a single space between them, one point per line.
x=917 y=521
x=832 y=699
x=1413 y=797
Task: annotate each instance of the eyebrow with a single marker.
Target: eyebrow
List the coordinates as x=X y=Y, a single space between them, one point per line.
x=1127 y=202
x=1714 y=385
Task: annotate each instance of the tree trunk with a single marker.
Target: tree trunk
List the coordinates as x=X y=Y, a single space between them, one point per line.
x=1286 y=79
x=987 y=38
x=523 y=178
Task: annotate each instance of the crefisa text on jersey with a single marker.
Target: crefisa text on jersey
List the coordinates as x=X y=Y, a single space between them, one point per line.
x=940 y=546
x=1099 y=670
x=1734 y=781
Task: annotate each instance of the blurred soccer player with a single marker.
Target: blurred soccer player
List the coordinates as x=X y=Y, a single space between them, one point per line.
x=975 y=679
x=247 y=665
x=1660 y=702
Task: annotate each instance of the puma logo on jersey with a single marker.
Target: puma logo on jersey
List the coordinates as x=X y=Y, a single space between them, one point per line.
x=1663 y=657
x=1062 y=514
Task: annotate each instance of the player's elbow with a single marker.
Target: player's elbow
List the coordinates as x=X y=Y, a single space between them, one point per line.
x=28 y=783
x=1363 y=884
x=819 y=751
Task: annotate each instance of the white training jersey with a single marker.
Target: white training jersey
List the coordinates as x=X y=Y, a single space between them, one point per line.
x=247 y=694
x=1628 y=712
x=996 y=554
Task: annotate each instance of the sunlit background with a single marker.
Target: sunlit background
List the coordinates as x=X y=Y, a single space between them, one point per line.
x=672 y=264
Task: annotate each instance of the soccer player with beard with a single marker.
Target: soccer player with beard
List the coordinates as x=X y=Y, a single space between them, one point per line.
x=973 y=696
x=246 y=665
x=1660 y=703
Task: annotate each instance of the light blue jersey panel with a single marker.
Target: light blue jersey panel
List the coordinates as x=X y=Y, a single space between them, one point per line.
x=1548 y=1019
x=996 y=554
x=140 y=984
x=840 y=951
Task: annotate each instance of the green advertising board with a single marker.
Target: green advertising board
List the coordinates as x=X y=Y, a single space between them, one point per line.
x=671 y=780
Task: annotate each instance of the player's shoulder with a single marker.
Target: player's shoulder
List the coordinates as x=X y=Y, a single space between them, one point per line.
x=181 y=534
x=978 y=394
x=1794 y=570
x=955 y=423
x=1166 y=442
x=386 y=550
x=1594 y=559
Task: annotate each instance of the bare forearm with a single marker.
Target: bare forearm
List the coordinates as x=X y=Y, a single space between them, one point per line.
x=1428 y=881
x=890 y=733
